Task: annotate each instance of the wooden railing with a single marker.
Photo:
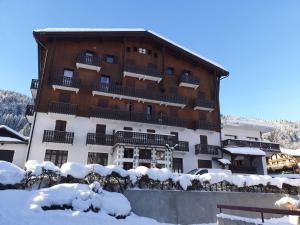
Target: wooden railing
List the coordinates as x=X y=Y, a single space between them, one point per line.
x=251 y=144
x=206 y=149
x=143 y=70
x=204 y=125
x=205 y=103
x=63 y=108
x=107 y=113
x=260 y=210
x=190 y=79
x=99 y=139
x=138 y=93
x=34 y=84
x=61 y=80
x=183 y=146
x=89 y=60
x=58 y=136
x=30 y=110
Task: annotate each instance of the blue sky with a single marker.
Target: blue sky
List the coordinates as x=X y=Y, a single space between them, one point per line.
x=257 y=41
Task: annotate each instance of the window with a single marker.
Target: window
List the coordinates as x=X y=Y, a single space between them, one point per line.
x=149 y=52
x=97 y=158
x=130 y=107
x=145 y=154
x=127 y=165
x=128 y=153
x=110 y=59
x=203 y=139
x=128 y=128
x=170 y=71
x=6 y=155
x=68 y=73
x=149 y=110
x=64 y=97
x=142 y=51
x=103 y=103
x=155 y=55
x=160 y=155
x=177 y=165
x=60 y=125
x=128 y=49
x=56 y=156
x=150 y=131
x=100 y=128
x=104 y=79
x=187 y=72
x=204 y=164
x=89 y=54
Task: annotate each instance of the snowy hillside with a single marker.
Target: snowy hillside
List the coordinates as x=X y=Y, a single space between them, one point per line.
x=286 y=133
x=12 y=110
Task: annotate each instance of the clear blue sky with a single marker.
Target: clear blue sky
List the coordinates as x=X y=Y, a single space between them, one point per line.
x=257 y=41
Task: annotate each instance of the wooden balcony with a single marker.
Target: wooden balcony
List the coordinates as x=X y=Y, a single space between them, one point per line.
x=29 y=113
x=63 y=108
x=206 y=149
x=205 y=105
x=142 y=73
x=183 y=146
x=65 y=83
x=188 y=80
x=204 y=125
x=140 y=95
x=106 y=113
x=34 y=87
x=99 y=139
x=88 y=62
x=146 y=139
x=266 y=146
x=55 y=136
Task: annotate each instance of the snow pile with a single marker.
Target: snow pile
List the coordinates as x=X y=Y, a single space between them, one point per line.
x=10 y=173
x=153 y=173
x=36 y=168
x=81 y=197
x=287 y=202
x=76 y=170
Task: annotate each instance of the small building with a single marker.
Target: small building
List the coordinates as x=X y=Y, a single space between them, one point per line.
x=244 y=147
x=13 y=146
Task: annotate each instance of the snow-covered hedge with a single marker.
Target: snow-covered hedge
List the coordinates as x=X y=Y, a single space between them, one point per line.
x=115 y=178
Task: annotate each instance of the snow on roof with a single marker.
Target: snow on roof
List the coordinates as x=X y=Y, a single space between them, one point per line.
x=9 y=139
x=17 y=134
x=291 y=152
x=128 y=30
x=224 y=161
x=245 y=151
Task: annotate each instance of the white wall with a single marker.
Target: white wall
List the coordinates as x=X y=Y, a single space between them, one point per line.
x=81 y=126
x=20 y=152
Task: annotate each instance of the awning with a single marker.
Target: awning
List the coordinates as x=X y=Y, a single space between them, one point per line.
x=224 y=161
x=244 y=151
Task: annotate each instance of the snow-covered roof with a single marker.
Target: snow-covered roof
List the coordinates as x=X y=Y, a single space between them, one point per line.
x=245 y=151
x=291 y=152
x=17 y=136
x=90 y=30
x=224 y=161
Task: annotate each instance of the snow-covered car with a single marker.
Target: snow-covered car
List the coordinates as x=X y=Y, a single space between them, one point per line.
x=200 y=171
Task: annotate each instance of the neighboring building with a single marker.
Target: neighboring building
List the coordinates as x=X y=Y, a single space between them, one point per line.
x=286 y=161
x=244 y=147
x=121 y=97
x=13 y=146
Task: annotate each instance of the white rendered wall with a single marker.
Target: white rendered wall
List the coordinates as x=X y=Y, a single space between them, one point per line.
x=20 y=152
x=78 y=152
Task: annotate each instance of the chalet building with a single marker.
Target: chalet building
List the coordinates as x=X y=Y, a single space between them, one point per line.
x=13 y=146
x=244 y=150
x=124 y=97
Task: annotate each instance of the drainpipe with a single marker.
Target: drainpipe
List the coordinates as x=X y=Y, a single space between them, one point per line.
x=37 y=96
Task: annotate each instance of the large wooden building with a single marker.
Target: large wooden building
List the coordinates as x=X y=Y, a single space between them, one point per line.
x=123 y=97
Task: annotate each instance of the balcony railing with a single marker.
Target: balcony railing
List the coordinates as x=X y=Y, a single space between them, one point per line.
x=251 y=144
x=106 y=113
x=243 y=169
x=138 y=138
x=139 y=94
x=63 y=108
x=206 y=149
x=204 y=104
x=204 y=125
x=99 y=139
x=143 y=70
x=190 y=79
x=88 y=60
x=34 y=84
x=58 y=136
x=183 y=146
x=60 y=80
x=29 y=110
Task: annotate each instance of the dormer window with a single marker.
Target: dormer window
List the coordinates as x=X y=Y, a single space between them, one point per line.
x=68 y=73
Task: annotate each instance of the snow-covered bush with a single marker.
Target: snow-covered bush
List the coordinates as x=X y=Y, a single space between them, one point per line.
x=81 y=197
x=11 y=176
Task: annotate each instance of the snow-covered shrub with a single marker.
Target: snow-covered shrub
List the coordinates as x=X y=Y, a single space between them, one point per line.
x=11 y=176
x=287 y=202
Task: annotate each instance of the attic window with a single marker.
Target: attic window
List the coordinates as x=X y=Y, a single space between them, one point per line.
x=142 y=51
